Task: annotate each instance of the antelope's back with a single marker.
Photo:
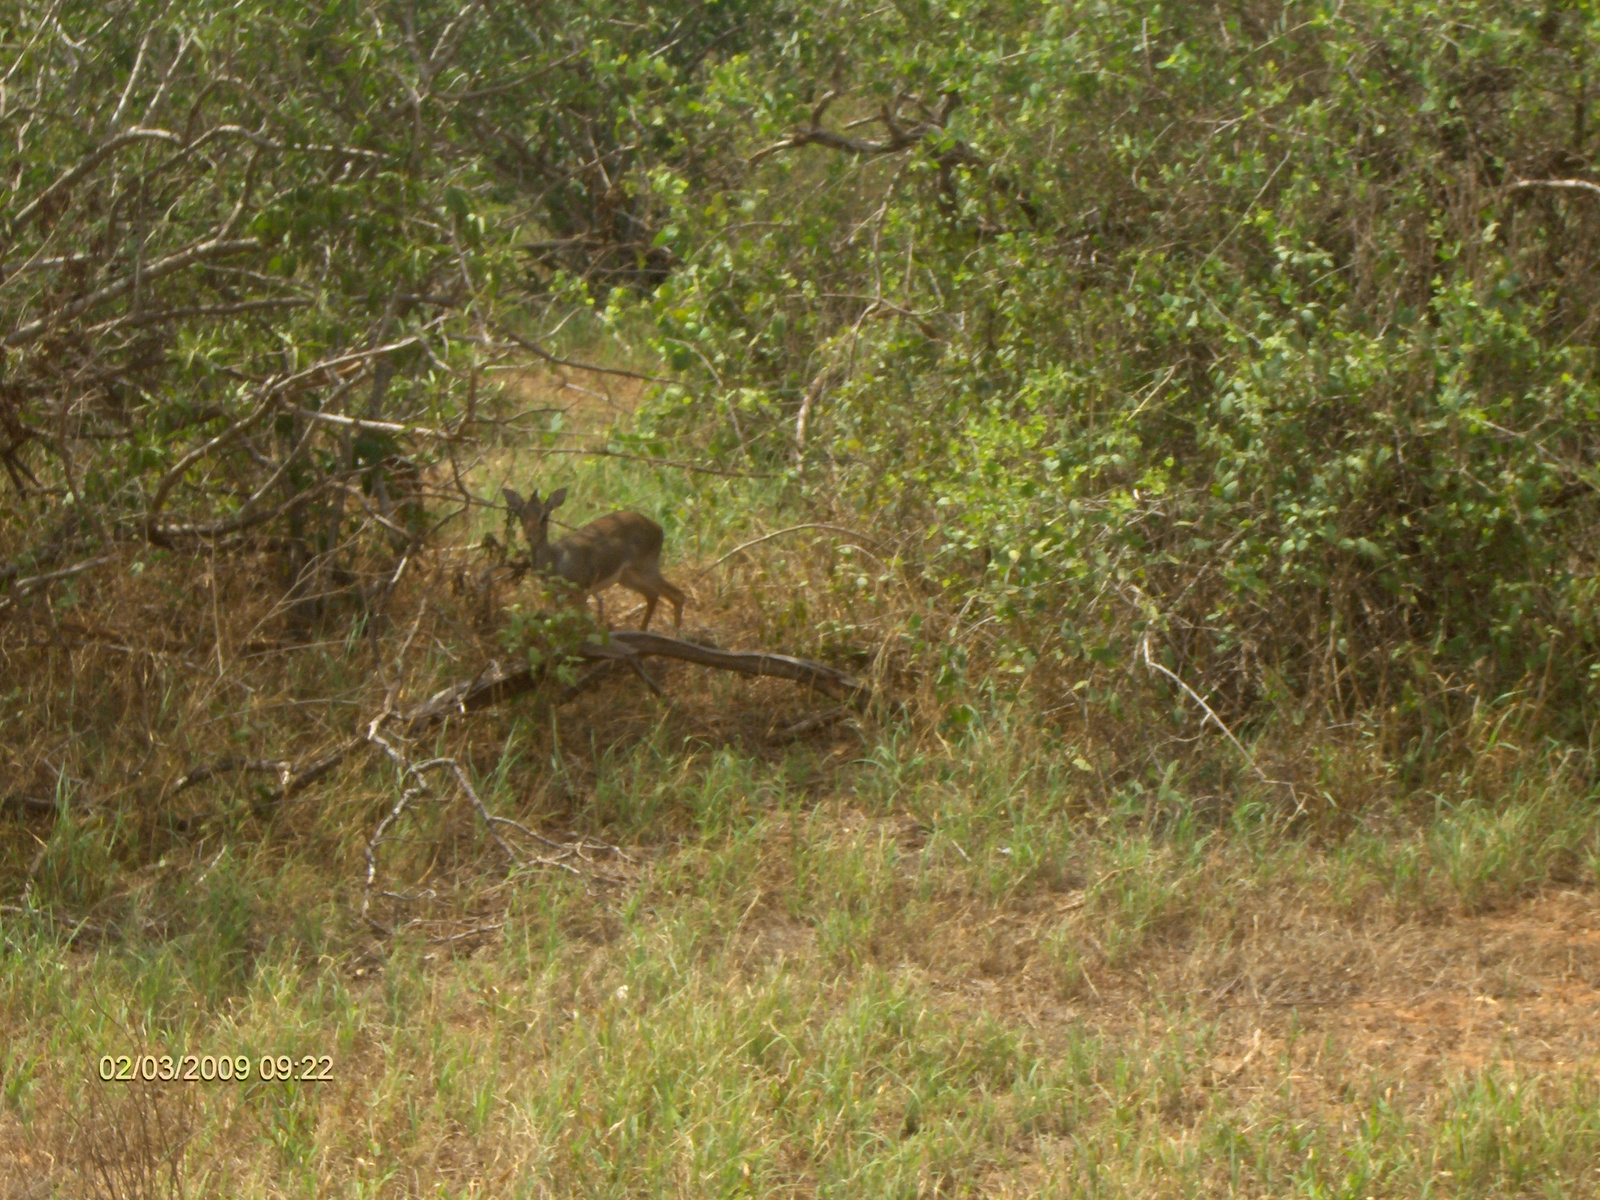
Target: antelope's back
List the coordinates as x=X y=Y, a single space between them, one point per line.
x=603 y=547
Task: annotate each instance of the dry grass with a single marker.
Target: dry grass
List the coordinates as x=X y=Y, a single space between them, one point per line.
x=983 y=948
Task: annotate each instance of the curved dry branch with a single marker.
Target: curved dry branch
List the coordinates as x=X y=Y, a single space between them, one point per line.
x=767 y=537
x=499 y=682
x=540 y=352
x=218 y=247
x=676 y=464
x=42 y=202
x=828 y=679
x=897 y=136
x=1570 y=185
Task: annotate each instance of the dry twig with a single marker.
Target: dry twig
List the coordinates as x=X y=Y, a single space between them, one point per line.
x=1211 y=715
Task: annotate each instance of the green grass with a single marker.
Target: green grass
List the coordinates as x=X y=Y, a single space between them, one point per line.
x=800 y=994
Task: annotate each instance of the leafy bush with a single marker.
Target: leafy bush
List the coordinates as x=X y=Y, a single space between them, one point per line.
x=1268 y=328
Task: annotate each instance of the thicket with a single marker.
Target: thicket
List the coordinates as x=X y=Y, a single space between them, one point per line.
x=1262 y=331
x=1253 y=340
x=255 y=261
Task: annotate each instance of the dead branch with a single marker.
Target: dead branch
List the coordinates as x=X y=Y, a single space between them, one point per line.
x=363 y=424
x=420 y=789
x=200 y=774
x=1571 y=185
x=162 y=535
x=219 y=247
x=801 y=670
x=698 y=468
x=300 y=780
x=23 y=587
x=1211 y=715
x=40 y=203
x=811 y=723
x=900 y=137
x=499 y=682
x=272 y=391
x=38 y=804
x=141 y=320
x=778 y=533
x=540 y=352
x=813 y=394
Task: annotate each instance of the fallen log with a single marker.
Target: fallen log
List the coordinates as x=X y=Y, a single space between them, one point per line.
x=747 y=662
x=499 y=682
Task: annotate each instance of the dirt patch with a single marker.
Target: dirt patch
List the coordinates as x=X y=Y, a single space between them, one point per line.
x=1517 y=988
x=1331 y=1002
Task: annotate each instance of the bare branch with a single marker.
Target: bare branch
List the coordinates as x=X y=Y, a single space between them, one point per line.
x=88 y=163
x=274 y=389
x=140 y=320
x=901 y=137
x=244 y=519
x=661 y=462
x=33 y=583
x=1211 y=715
x=540 y=352
x=779 y=533
x=199 y=252
x=200 y=775
x=176 y=471
x=360 y=423
x=1574 y=185
x=498 y=682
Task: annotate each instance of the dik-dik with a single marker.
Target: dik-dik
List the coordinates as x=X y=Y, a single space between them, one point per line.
x=621 y=547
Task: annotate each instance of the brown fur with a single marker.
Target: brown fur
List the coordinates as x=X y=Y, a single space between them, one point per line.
x=621 y=547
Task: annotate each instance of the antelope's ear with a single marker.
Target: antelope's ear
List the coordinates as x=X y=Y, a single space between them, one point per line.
x=557 y=499
x=514 y=500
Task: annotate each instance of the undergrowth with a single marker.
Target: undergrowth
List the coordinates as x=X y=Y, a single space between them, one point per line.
x=975 y=943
